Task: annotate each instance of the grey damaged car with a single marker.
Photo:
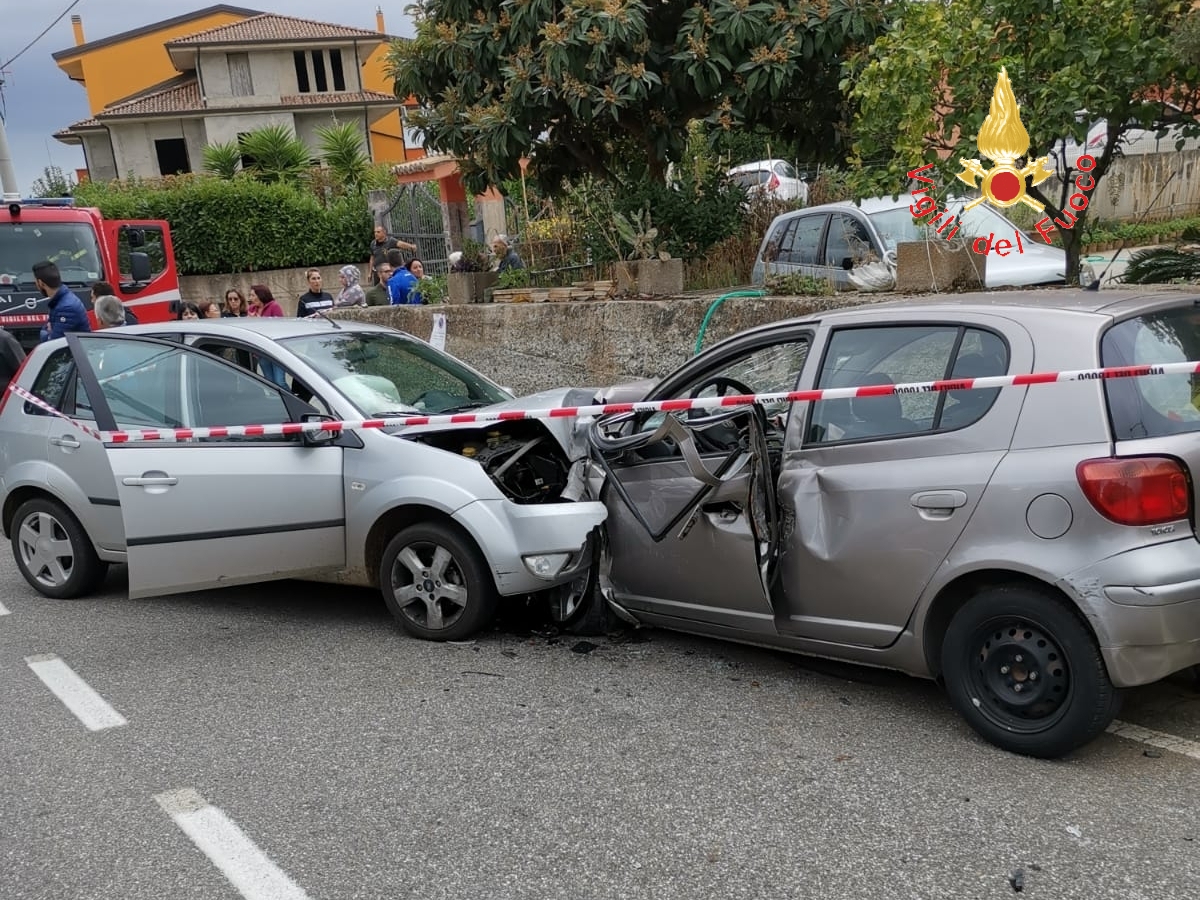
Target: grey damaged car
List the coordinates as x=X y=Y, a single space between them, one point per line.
x=443 y=523
x=1033 y=548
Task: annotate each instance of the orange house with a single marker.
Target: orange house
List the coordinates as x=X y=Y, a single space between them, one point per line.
x=160 y=93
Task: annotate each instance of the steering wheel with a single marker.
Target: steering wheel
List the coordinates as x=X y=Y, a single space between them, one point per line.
x=713 y=430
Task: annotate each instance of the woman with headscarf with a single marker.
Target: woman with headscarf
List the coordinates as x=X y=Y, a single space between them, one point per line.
x=352 y=293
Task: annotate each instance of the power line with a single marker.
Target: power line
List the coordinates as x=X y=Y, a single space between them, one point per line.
x=22 y=51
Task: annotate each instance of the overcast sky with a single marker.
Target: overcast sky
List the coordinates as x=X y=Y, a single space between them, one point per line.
x=38 y=97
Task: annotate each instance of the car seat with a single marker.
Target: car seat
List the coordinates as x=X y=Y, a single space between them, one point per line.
x=880 y=415
x=962 y=408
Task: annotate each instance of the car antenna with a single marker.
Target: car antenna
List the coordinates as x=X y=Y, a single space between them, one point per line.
x=321 y=313
x=1095 y=285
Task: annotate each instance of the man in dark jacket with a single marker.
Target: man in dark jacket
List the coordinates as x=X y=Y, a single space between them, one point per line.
x=12 y=354
x=380 y=246
x=67 y=312
x=314 y=300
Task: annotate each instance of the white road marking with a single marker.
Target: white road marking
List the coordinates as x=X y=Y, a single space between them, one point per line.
x=3 y=610
x=75 y=693
x=1158 y=739
x=227 y=847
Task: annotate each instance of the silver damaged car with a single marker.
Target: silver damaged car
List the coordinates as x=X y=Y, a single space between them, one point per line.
x=1033 y=548
x=442 y=523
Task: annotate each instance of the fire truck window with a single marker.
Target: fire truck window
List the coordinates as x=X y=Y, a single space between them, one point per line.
x=154 y=248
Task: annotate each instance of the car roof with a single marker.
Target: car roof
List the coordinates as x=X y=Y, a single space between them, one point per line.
x=1019 y=304
x=274 y=327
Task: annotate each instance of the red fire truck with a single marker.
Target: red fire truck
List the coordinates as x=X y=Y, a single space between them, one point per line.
x=135 y=257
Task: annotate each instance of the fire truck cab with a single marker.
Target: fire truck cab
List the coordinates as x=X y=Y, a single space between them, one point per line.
x=135 y=257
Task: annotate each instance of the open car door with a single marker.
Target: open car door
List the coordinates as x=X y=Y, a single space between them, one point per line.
x=208 y=512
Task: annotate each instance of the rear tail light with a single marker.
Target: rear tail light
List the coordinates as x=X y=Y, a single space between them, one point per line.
x=17 y=374
x=773 y=183
x=1136 y=490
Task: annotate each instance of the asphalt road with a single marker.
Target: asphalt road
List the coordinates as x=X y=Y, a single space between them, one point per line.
x=358 y=763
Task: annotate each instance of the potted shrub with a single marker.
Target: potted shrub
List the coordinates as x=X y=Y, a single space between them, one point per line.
x=648 y=267
x=470 y=275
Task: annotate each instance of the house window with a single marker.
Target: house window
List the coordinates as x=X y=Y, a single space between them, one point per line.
x=239 y=74
x=327 y=72
x=318 y=61
x=172 y=156
x=301 y=61
x=248 y=161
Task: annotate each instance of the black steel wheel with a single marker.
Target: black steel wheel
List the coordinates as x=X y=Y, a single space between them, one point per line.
x=436 y=583
x=1026 y=672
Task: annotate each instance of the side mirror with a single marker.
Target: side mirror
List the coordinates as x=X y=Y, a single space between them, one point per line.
x=847 y=263
x=319 y=438
x=139 y=265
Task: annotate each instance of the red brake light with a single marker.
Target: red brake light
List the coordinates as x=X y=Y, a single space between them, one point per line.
x=1137 y=490
x=773 y=183
x=17 y=374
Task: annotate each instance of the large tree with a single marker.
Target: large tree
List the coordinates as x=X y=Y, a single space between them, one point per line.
x=574 y=85
x=923 y=88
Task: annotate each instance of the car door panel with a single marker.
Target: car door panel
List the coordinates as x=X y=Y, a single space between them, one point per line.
x=207 y=515
x=206 y=512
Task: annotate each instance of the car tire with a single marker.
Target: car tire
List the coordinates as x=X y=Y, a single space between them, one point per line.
x=71 y=569
x=1026 y=672
x=436 y=583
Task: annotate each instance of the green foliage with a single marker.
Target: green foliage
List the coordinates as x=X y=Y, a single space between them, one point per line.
x=1162 y=265
x=53 y=183
x=1135 y=233
x=803 y=285
x=433 y=290
x=344 y=151
x=574 y=85
x=225 y=226
x=929 y=79
x=514 y=278
x=223 y=160
x=639 y=236
x=277 y=154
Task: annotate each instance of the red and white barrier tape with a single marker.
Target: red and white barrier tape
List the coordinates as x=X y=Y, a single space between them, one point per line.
x=608 y=409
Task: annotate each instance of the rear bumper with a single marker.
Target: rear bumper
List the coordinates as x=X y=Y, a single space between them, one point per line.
x=1145 y=608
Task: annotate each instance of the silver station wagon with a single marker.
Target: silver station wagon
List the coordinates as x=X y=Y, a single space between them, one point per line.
x=1034 y=548
x=442 y=524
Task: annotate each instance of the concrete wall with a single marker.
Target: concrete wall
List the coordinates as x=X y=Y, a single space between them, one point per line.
x=286 y=284
x=272 y=73
x=1133 y=183
x=99 y=154
x=533 y=346
x=220 y=129
x=308 y=123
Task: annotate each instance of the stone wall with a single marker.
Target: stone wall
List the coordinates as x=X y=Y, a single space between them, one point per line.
x=535 y=346
x=286 y=284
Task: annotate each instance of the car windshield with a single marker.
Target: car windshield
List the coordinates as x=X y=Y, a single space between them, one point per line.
x=898 y=226
x=388 y=374
x=72 y=246
x=1155 y=405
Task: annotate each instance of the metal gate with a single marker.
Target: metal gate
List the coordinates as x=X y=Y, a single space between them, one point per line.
x=416 y=216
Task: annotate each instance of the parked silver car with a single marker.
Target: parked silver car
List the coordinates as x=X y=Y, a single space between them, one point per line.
x=442 y=532
x=1034 y=548
x=826 y=241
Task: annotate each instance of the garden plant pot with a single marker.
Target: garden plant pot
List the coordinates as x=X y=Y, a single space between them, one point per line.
x=469 y=287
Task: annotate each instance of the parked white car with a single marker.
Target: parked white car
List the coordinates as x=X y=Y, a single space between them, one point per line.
x=1135 y=141
x=827 y=241
x=776 y=178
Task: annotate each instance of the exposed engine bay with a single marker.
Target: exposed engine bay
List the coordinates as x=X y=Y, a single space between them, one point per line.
x=522 y=458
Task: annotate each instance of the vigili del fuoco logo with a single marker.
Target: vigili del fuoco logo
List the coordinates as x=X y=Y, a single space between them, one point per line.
x=1003 y=140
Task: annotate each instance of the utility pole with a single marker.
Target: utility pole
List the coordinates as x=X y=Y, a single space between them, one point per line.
x=8 y=175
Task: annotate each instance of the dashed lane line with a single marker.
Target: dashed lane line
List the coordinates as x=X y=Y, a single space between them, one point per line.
x=76 y=694
x=246 y=867
x=1159 y=739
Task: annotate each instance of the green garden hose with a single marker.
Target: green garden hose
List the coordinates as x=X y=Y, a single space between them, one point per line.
x=713 y=308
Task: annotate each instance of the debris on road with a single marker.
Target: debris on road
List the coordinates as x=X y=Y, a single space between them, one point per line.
x=1017 y=880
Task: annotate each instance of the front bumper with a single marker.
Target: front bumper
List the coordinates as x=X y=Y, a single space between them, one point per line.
x=509 y=532
x=1145 y=608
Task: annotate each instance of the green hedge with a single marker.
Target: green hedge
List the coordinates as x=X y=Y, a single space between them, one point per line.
x=221 y=227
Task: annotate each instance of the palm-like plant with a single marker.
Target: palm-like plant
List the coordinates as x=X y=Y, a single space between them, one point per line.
x=277 y=153
x=223 y=160
x=343 y=150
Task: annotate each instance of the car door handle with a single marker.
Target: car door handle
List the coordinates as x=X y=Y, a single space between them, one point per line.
x=65 y=441
x=150 y=479
x=943 y=500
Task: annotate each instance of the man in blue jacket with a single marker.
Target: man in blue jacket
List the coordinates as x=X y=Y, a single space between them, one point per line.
x=67 y=312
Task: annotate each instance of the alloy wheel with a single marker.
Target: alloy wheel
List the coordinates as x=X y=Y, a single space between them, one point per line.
x=429 y=586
